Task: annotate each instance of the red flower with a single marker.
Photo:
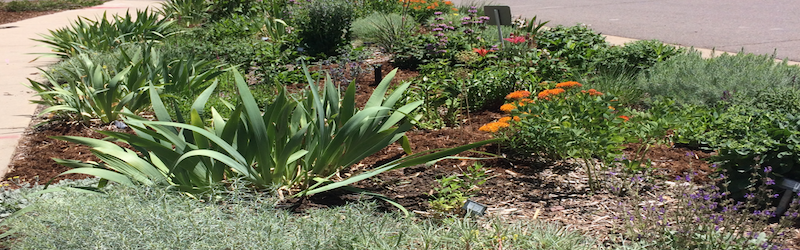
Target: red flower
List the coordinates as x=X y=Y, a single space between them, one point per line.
x=481 y=51
x=515 y=39
x=626 y=118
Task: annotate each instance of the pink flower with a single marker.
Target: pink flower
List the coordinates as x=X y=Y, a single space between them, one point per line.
x=515 y=39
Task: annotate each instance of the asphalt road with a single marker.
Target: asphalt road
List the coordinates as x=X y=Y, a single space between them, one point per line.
x=760 y=27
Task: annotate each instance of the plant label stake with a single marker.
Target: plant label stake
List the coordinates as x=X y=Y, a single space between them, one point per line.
x=500 y=15
x=377 y=71
x=791 y=187
x=475 y=208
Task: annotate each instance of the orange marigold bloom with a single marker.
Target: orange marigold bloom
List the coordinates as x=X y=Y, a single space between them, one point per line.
x=611 y=108
x=519 y=94
x=516 y=118
x=505 y=119
x=448 y=2
x=626 y=118
x=567 y=85
x=507 y=107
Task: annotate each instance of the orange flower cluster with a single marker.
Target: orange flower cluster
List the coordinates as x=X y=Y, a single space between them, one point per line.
x=519 y=94
x=626 y=118
x=493 y=126
x=592 y=92
x=508 y=119
x=568 y=85
x=419 y=4
x=546 y=94
x=507 y=107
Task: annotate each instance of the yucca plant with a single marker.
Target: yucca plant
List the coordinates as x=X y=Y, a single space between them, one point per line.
x=101 y=92
x=104 y=35
x=95 y=92
x=295 y=145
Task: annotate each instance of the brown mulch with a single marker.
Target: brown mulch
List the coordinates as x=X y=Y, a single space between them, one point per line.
x=10 y=17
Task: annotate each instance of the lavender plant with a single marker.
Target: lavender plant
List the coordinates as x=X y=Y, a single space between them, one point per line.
x=681 y=215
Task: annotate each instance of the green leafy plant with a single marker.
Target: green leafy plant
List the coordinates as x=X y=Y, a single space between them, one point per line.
x=386 y=30
x=455 y=190
x=95 y=91
x=635 y=56
x=563 y=122
x=292 y=144
x=187 y=13
x=104 y=35
x=324 y=26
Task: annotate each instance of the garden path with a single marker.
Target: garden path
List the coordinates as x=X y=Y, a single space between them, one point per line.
x=727 y=25
x=19 y=61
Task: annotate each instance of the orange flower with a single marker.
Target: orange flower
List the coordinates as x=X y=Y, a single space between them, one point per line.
x=516 y=118
x=519 y=94
x=611 y=108
x=568 y=85
x=481 y=51
x=454 y=9
x=505 y=119
x=626 y=118
x=593 y=92
x=493 y=126
x=550 y=92
x=448 y=2
x=507 y=107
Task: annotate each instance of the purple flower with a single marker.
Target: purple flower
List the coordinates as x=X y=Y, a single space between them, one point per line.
x=439 y=18
x=437 y=13
x=468 y=31
x=483 y=18
x=471 y=10
x=690 y=153
x=465 y=18
x=439 y=34
x=714 y=165
x=769 y=181
x=437 y=29
x=749 y=195
x=767 y=169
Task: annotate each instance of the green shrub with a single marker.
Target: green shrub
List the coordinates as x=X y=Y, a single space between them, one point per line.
x=323 y=26
x=635 y=56
x=563 y=122
x=690 y=79
x=386 y=30
x=577 y=45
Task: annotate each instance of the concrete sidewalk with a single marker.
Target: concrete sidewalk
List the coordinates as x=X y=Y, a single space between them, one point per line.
x=728 y=25
x=17 y=64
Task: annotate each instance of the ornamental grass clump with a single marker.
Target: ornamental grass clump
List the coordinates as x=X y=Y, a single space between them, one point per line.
x=563 y=122
x=682 y=215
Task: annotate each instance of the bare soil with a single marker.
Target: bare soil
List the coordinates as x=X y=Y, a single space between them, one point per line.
x=10 y=17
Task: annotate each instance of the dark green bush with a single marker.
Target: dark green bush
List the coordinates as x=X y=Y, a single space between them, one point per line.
x=577 y=45
x=323 y=26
